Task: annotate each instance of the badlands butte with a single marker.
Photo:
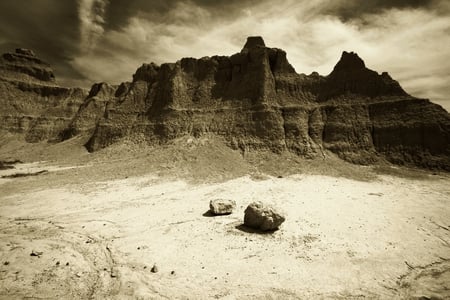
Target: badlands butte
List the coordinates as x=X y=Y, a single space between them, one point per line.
x=254 y=100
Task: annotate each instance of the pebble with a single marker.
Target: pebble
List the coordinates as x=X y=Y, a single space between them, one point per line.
x=36 y=253
x=113 y=273
x=154 y=269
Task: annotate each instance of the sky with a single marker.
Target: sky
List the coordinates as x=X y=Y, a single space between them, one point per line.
x=88 y=41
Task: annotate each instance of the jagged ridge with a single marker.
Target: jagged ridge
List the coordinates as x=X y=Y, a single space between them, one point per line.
x=256 y=100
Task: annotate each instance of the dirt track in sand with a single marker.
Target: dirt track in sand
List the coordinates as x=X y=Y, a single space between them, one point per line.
x=343 y=238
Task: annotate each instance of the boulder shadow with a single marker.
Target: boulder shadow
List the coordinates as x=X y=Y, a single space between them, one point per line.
x=246 y=229
x=210 y=214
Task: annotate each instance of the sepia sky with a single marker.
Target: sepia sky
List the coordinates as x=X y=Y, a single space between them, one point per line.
x=90 y=41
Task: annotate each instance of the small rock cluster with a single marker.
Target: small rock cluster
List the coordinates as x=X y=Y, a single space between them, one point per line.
x=258 y=215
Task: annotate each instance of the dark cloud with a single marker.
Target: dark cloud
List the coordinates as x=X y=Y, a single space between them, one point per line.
x=120 y=11
x=49 y=27
x=52 y=27
x=356 y=9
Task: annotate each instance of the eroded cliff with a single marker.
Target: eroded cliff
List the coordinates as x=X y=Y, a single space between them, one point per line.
x=255 y=100
x=31 y=101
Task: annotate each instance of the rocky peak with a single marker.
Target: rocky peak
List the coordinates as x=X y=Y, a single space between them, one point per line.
x=146 y=72
x=349 y=61
x=350 y=76
x=23 y=65
x=386 y=75
x=101 y=90
x=26 y=52
x=253 y=42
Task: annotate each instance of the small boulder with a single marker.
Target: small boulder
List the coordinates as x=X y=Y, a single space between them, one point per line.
x=113 y=273
x=36 y=253
x=221 y=206
x=154 y=269
x=262 y=217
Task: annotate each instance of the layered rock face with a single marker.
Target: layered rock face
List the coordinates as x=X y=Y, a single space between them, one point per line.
x=23 y=65
x=244 y=98
x=255 y=100
x=31 y=101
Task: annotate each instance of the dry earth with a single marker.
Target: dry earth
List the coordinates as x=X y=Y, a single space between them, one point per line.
x=96 y=226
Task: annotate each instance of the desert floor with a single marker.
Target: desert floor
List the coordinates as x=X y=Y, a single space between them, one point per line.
x=97 y=225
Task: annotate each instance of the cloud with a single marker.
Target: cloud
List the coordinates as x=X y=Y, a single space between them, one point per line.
x=119 y=12
x=120 y=52
x=410 y=45
x=49 y=27
x=348 y=10
x=107 y=40
x=188 y=29
x=92 y=19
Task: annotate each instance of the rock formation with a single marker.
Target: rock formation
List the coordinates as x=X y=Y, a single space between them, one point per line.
x=262 y=217
x=32 y=103
x=23 y=65
x=221 y=206
x=256 y=101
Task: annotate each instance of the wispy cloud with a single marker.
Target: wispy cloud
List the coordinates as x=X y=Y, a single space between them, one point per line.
x=412 y=45
x=92 y=19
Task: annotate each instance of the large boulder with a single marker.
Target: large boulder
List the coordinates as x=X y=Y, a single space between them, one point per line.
x=221 y=206
x=263 y=217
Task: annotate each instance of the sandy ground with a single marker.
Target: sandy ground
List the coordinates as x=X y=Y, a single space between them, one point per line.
x=343 y=239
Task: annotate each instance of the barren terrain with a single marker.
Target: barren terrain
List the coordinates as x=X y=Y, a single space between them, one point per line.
x=94 y=225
